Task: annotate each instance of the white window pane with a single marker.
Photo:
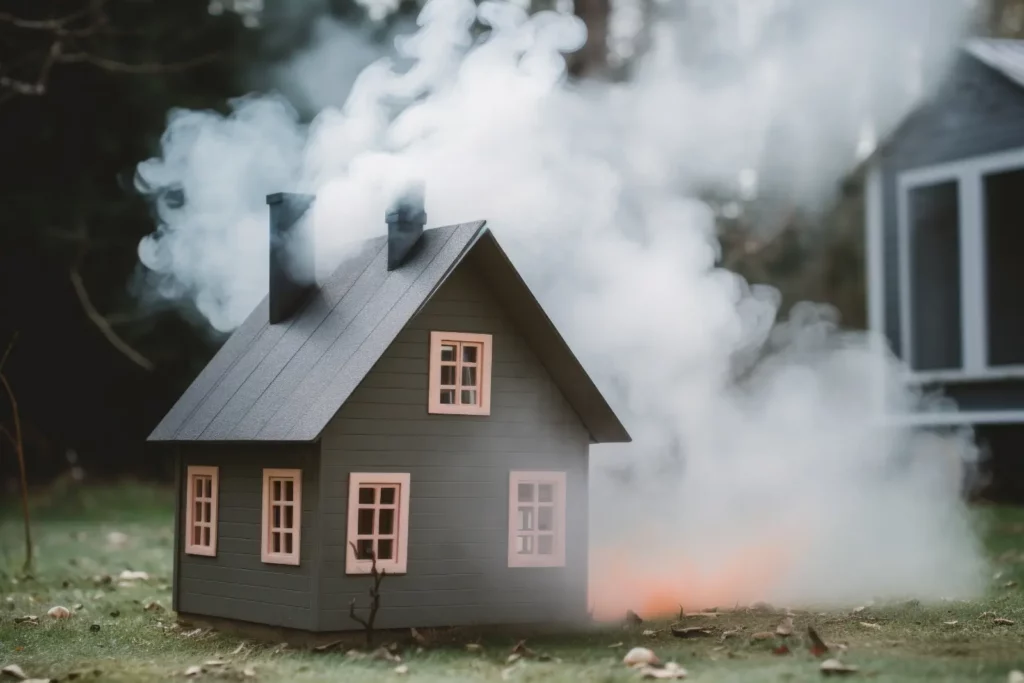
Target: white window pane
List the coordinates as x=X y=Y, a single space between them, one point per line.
x=526 y=493
x=546 y=493
x=524 y=545
x=526 y=519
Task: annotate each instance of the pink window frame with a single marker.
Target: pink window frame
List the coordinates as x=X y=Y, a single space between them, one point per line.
x=399 y=562
x=192 y=473
x=557 y=556
x=483 y=407
x=267 y=554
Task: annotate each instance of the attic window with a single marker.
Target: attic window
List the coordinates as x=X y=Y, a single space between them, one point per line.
x=460 y=373
x=378 y=522
x=282 y=516
x=536 y=519
x=201 y=511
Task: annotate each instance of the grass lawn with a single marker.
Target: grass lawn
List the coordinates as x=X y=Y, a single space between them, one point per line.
x=113 y=637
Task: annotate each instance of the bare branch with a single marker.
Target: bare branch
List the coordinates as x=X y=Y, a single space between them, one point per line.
x=104 y=326
x=143 y=68
x=378 y=576
x=20 y=452
x=7 y=353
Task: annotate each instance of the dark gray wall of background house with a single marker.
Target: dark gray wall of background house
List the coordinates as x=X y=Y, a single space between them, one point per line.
x=458 y=526
x=236 y=584
x=978 y=111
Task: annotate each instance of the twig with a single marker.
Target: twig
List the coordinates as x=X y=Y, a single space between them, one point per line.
x=104 y=326
x=20 y=452
x=143 y=68
x=378 y=576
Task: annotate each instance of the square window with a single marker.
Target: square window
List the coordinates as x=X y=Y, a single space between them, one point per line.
x=200 y=488
x=537 y=530
x=378 y=523
x=459 y=373
x=282 y=516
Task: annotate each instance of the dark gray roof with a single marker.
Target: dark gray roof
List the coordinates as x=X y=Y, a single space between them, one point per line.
x=1002 y=54
x=285 y=382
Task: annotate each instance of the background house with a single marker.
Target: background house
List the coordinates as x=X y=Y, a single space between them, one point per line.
x=944 y=243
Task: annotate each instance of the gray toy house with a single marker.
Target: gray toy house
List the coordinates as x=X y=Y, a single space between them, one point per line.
x=418 y=404
x=945 y=237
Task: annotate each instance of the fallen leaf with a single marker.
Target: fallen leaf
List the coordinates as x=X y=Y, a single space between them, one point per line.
x=38 y=680
x=78 y=607
x=731 y=633
x=116 y=539
x=327 y=646
x=474 y=647
x=129 y=575
x=354 y=654
x=28 y=620
x=641 y=656
x=214 y=662
x=513 y=658
x=781 y=650
x=249 y=672
x=153 y=606
x=691 y=632
x=614 y=645
x=401 y=669
x=951 y=623
x=382 y=653
x=1010 y=584
x=868 y=624
x=785 y=628
x=670 y=671
x=763 y=635
x=1003 y=621
x=833 y=667
x=417 y=636
x=1015 y=677
x=240 y=649
x=13 y=671
x=818 y=646
x=649 y=633
x=633 y=618
x=193 y=671
x=858 y=610
x=986 y=614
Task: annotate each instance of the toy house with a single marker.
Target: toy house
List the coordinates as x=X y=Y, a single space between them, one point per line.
x=418 y=404
x=943 y=217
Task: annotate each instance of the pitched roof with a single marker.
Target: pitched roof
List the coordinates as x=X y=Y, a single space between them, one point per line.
x=285 y=382
x=1004 y=55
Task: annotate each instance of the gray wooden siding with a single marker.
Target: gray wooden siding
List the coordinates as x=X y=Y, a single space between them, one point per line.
x=236 y=584
x=458 y=526
x=977 y=112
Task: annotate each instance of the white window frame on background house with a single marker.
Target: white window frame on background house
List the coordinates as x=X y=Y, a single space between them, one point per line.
x=969 y=176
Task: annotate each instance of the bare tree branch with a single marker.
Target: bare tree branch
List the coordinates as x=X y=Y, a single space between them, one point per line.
x=20 y=452
x=377 y=576
x=104 y=325
x=143 y=68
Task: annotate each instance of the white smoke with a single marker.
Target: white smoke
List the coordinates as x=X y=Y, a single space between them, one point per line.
x=594 y=189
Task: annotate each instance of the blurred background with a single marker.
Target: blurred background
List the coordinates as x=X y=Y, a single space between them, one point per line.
x=85 y=91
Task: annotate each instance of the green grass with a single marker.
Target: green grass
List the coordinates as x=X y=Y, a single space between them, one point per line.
x=912 y=642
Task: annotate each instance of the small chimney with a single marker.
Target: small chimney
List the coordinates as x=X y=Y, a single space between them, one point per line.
x=292 y=256
x=405 y=220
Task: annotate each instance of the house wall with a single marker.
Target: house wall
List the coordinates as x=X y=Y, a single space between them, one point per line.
x=236 y=583
x=459 y=466
x=977 y=112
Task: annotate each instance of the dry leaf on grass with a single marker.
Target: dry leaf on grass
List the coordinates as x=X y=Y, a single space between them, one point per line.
x=193 y=671
x=785 y=628
x=249 y=672
x=474 y=647
x=242 y=647
x=59 y=612
x=327 y=646
x=401 y=669
x=129 y=575
x=691 y=632
x=762 y=635
x=868 y=624
x=153 y=606
x=1003 y=621
x=730 y=633
x=116 y=539
x=27 y=620
x=1010 y=584
x=648 y=633
x=818 y=646
x=382 y=653
x=951 y=623
x=13 y=671
x=833 y=667
x=417 y=636
x=215 y=663
x=615 y=645
x=641 y=656
x=671 y=670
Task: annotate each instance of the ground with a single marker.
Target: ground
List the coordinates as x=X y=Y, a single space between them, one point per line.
x=85 y=535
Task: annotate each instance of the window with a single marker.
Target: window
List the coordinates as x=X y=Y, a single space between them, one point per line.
x=1004 y=215
x=460 y=373
x=378 y=522
x=282 y=516
x=536 y=528
x=201 y=511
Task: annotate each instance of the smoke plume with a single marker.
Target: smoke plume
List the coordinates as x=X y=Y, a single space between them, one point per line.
x=781 y=486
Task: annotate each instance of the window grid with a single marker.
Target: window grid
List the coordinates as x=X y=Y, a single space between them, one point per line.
x=378 y=522
x=536 y=519
x=282 y=516
x=201 y=513
x=460 y=369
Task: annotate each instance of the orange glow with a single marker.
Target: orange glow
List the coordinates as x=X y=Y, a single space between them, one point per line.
x=656 y=585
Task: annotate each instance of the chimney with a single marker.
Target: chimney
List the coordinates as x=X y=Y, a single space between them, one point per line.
x=292 y=256
x=405 y=220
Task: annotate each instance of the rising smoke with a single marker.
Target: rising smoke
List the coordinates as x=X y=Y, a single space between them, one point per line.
x=781 y=487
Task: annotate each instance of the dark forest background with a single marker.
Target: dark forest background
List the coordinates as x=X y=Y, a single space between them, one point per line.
x=85 y=88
